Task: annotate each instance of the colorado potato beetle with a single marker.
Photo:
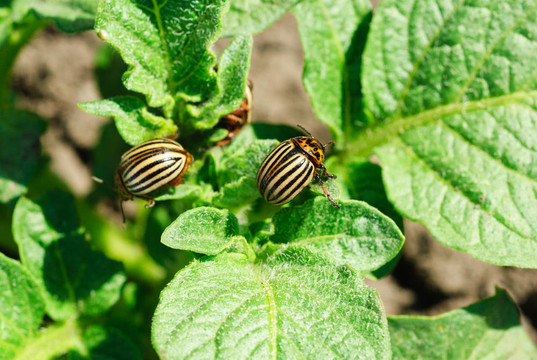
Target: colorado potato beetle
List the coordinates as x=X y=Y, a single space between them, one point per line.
x=150 y=166
x=290 y=167
x=235 y=121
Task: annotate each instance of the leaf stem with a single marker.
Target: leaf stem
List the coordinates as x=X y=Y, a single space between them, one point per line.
x=54 y=341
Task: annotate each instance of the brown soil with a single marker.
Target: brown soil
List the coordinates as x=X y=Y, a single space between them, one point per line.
x=55 y=72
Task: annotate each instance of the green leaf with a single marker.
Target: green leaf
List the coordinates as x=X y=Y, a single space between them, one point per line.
x=297 y=305
x=22 y=307
x=237 y=170
x=489 y=329
x=356 y=234
x=238 y=193
x=279 y=132
x=364 y=180
x=452 y=86
x=233 y=68
x=333 y=37
x=106 y=343
x=204 y=230
x=253 y=16
x=133 y=120
x=69 y=15
x=165 y=45
x=14 y=34
x=19 y=150
x=72 y=277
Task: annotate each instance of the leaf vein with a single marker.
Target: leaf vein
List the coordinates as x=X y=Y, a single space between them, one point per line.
x=418 y=63
x=486 y=154
x=436 y=174
x=190 y=315
x=227 y=315
x=314 y=338
x=489 y=52
x=332 y=309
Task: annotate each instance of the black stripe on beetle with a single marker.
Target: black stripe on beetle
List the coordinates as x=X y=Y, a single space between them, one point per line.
x=150 y=166
x=290 y=167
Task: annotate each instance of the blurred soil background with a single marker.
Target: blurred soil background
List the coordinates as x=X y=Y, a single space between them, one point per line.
x=56 y=71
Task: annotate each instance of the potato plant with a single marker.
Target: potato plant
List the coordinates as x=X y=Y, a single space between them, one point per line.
x=432 y=107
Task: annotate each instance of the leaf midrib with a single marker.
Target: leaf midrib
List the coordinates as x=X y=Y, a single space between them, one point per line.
x=381 y=133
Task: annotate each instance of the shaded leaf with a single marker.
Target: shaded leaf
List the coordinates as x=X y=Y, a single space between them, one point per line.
x=364 y=181
x=356 y=234
x=15 y=32
x=133 y=120
x=22 y=307
x=333 y=35
x=269 y=311
x=489 y=329
x=204 y=230
x=72 y=277
x=69 y=15
x=106 y=343
x=19 y=150
x=279 y=132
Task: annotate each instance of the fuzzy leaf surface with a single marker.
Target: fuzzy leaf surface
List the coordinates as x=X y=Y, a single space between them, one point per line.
x=133 y=120
x=233 y=68
x=253 y=16
x=237 y=170
x=19 y=150
x=72 y=277
x=22 y=307
x=204 y=230
x=356 y=234
x=333 y=35
x=452 y=86
x=165 y=44
x=297 y=305
x=489 y=329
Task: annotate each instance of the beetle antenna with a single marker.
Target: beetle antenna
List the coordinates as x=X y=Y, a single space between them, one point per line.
x=304 y=129
x=122 y=212
x=100 y=181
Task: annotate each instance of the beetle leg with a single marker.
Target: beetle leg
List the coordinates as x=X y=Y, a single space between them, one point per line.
x=325 y=172
x=150 y=202
x=326 y=193
x=234 y=119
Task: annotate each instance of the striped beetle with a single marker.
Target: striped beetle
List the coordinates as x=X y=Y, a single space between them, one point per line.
x=236 y=120
x=290 y=167
x=150 y=166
